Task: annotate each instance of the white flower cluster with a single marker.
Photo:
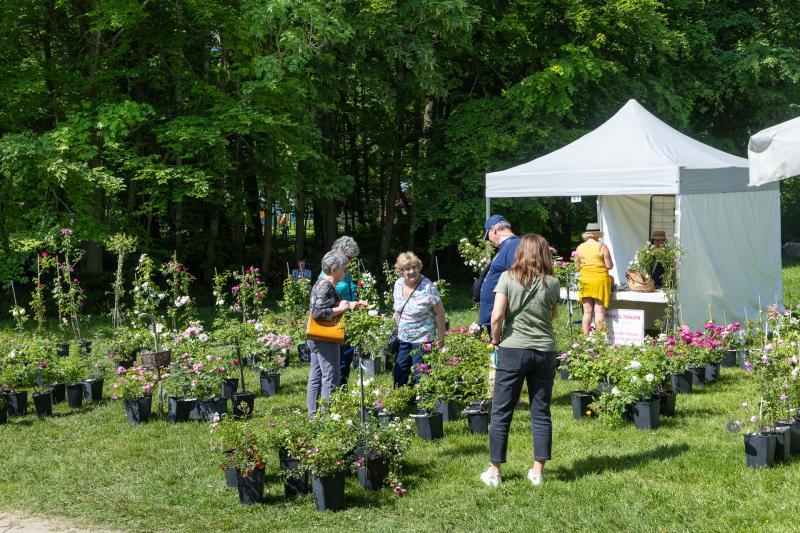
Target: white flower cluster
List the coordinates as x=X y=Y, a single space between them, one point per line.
x=180 y=302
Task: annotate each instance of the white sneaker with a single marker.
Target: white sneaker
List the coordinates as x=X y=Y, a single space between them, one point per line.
x=491 y=478
x=536 y=479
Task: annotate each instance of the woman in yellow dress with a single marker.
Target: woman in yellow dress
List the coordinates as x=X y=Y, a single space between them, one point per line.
x=593 y=261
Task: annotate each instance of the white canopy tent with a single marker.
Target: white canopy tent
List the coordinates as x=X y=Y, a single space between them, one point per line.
x=729 y=233
x=774 y=153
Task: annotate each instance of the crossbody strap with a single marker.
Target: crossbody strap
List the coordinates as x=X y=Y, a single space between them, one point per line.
x=400 y=314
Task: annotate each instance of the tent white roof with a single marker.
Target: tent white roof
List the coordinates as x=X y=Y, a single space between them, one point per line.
x=774 y=153
x=633 y=152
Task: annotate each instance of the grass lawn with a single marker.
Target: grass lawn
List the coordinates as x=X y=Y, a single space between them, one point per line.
x=92 y=468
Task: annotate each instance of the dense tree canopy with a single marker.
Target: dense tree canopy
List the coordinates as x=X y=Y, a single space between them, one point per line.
x=179 y=121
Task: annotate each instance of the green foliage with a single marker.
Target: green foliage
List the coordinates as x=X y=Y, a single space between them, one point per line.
x=134 y=383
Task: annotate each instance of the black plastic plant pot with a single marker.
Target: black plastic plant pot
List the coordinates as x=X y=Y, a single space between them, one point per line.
x=43 y=402
x=667 y=403
x=682 y=382
x=179 y=409
x=17 y=403
x=93 y=389
x=229 y=386
x=698 y=375
x=783 y=444
x=563 y=371
x=207 y=408
x=646 y=414
x=580 y=404
x=231 y=479
x=250 y=486
x=448 y=409
x=729 y=359
x=759 y=449
x=372 y=473
x=3 y=411
x=385 y=418
x=85 y=347
x=75 y=395
x=138 y=410
x=298 y=481
x=62 y=350
x=604 y=386
x=59 y=392
x=794 y=426
x=477 y=421
x=329 y=492
x=712 y=372
x=429 y=426
x=243 y=404
x=372 y=366
x=741 y=358
x=270 y=383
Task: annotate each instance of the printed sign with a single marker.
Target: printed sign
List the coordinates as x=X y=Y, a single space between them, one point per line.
x=625 y=326
x=575 y=199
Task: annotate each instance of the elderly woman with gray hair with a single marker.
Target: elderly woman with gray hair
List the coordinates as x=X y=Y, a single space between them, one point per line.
x=347 y=291
x=326 y=304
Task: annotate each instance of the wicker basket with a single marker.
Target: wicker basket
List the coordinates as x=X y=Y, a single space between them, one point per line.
x=156 y=359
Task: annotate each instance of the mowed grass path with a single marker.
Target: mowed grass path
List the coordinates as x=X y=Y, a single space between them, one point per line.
x=93 y=469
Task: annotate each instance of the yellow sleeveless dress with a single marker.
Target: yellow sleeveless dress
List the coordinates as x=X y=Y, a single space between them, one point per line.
x=594 y=279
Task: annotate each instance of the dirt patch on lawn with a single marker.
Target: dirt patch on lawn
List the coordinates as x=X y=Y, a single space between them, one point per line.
x=16 y=523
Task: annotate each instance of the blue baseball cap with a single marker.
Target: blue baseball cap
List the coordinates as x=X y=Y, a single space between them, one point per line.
x=491 y=221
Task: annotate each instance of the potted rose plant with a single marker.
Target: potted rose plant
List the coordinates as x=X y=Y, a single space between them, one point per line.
x=379 y=460
x=42 y=392
x=270 y=356
x=75 y=369
x=243 y=448
x=291 y=439
x=391 y=403
x=429 y=422
x=134 y=386
x=368 y=330
x=327 y=457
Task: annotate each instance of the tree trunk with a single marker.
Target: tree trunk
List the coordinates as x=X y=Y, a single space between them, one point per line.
x=300 y=225
x=266 y=240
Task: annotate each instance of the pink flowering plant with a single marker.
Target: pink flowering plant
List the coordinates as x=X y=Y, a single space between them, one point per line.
x=701 y=346
x=389 y=442
x=133 y=383
x=249 y=293
x=771 y=394
x=196 y=374
x=393 y=400
x=271 y=352
x=564 y=269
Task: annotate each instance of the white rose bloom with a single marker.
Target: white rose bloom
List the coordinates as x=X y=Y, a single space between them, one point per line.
x=22 y=311
x=349 y=422
x=336 y=416
x=634 y=379
x=202 y=337
x=649 y=378
x=14 y=313
x=635 y=365
x=615 y=391
x=144 y=284
x=259 y=326
x=220 y=302
x=12 y=354
x=178 y=303
x=373 y=312
x=161 y=295
x=159 y=327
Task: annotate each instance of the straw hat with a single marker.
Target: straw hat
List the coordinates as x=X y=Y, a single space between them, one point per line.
x=592 y=228
x=658 y=235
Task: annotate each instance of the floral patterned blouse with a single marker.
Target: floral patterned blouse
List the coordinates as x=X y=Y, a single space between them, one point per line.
x=418 y=321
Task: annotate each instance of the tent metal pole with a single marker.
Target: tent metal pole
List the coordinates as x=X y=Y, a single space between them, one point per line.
x=488 y=207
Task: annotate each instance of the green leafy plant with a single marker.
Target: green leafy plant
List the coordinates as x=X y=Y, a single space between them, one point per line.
x=243 y=443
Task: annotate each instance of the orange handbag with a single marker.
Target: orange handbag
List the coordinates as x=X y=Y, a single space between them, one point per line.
x=325 y=330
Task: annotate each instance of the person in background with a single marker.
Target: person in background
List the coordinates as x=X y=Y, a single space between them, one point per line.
x=419 y=314
x=658 y=239
x=593 y=261
x=347 y=289
x=498 y=231
x=525 y=304
x=301 y=272
x=324 y=305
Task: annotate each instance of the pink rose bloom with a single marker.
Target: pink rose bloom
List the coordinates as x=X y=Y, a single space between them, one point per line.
x=426 y=346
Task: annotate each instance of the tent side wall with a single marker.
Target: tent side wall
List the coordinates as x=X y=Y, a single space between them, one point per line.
x=625 y=221
x=731 y=254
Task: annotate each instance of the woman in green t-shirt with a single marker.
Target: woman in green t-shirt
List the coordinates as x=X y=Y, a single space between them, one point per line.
x=525 y=303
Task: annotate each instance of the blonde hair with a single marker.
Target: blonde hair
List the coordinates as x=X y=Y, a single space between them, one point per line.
x=586 y=235
x=404 y=260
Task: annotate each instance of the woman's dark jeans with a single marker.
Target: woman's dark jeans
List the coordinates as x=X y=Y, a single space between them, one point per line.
x=408 y=354
x=515 y=365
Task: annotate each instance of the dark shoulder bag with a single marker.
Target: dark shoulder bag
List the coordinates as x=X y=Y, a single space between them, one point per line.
x=393 y=346
x=478 y=283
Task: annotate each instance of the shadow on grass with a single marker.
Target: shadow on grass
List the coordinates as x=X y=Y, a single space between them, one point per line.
x=618 y=463
x=88 y=408
x=465 y=449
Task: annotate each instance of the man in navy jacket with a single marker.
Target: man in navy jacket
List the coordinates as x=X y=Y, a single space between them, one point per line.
x=498 y=230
